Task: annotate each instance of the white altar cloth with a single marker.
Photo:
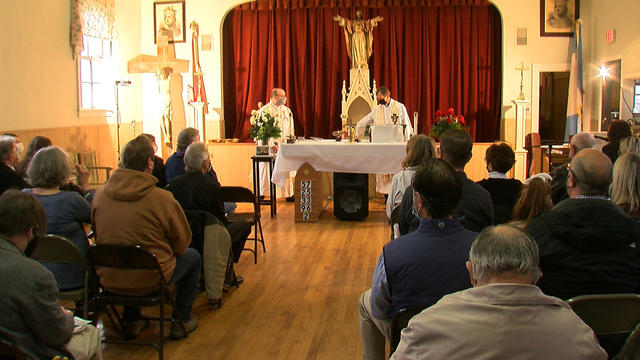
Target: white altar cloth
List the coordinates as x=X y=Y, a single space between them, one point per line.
x=333 y=156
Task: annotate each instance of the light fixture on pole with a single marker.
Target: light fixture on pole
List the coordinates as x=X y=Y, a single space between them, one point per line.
x=118 y=119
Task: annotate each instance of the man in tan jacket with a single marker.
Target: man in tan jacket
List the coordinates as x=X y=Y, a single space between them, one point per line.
x=131 y=210
x=504 y=315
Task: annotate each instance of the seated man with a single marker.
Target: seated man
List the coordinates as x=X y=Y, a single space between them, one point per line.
x=559 y=174
x=131 y=210
x=587 y=244
x=419 y=268
x=32 y=317
x=197 y=191
x=9 y=179
x=504 y=315
x=474 y=209
x=504 y=191
x=175 y=162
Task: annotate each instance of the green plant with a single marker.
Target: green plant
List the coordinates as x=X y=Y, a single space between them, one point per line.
x=264 y=127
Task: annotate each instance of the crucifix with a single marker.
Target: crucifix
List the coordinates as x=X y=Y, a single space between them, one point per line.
x=394 y=117
x=165 y=66
x=521 y=68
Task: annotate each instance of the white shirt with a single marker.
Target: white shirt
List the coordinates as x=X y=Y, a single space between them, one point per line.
x=283 y=116
x=383 y=115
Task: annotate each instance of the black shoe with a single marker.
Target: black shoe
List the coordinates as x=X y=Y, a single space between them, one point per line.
x=290 y=199
x=133 y=328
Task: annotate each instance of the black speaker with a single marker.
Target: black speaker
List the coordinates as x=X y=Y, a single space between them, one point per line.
x=350 y=196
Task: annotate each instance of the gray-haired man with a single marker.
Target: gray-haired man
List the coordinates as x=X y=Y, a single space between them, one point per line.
x=504 y=315
x=9 y=179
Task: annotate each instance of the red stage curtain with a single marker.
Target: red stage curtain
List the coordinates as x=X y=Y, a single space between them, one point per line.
x=430 y=57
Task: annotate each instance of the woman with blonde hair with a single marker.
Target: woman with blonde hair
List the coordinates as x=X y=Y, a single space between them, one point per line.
x=420 y=148
x=629 y=144
x=534 y=199
x=625 y=186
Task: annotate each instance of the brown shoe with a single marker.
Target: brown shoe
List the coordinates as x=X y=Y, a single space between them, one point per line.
x=189 y=325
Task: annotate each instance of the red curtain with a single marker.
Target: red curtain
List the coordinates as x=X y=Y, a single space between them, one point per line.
x=430 y=57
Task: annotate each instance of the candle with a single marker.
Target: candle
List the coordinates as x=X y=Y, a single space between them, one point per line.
x=415 y=123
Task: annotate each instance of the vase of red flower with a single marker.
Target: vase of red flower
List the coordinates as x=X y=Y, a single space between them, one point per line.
x=444 y=121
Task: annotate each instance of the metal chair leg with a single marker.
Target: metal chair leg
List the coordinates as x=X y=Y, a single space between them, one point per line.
x=161 y=332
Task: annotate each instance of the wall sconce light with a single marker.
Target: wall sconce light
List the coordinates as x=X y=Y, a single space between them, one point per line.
x=604 y=72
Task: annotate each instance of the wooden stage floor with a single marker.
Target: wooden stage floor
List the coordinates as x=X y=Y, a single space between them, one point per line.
x=298 y=302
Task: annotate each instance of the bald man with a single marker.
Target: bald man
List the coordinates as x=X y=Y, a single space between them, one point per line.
x=579 y=142
x=587 y=244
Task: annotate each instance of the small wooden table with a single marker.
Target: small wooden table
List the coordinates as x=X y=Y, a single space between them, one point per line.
x=256 y=182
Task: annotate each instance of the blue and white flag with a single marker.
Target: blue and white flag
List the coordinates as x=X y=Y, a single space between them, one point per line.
x=574 y=102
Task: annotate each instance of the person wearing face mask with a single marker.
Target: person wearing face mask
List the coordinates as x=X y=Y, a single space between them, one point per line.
x=419 y=268
x=284 y=120
x=383 y=113
x=194 y=190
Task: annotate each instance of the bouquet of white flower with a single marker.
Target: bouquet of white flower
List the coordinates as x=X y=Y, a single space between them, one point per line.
x=264 y=127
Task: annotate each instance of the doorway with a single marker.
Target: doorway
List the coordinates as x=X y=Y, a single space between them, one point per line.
x=554 y=90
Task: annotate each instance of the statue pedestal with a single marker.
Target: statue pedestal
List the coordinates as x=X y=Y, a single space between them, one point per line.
x=197 y=120
x=520 y=167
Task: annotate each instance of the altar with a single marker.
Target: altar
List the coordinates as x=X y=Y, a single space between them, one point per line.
x=334 y=156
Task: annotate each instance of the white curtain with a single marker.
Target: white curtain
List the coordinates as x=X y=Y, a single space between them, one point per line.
x=95 y=18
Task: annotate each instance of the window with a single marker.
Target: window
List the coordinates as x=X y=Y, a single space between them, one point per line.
x=95 y=75
x=636 y=97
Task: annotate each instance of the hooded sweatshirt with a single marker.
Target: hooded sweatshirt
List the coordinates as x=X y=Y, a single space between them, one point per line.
x=587 y=246
x=131 y=210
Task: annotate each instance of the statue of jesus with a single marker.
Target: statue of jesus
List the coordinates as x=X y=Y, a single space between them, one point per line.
x=359 y=38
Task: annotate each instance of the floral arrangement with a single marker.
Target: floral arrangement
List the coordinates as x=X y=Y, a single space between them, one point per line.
x=445 y=121
x=264 y=127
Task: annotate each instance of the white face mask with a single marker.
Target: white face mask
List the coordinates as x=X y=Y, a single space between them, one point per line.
x=281 y=101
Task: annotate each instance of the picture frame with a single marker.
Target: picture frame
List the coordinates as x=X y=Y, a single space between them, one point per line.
x=169 y=16
x=558 y=16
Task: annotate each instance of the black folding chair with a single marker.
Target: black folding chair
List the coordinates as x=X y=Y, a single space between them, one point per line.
x=129 y=257
x=399 y=321
x=239 y=194
x=60 y=250
x=612 y=317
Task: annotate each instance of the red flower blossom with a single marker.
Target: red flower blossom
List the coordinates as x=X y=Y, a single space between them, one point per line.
x=439 y=113
x=461 y=119
x=450 y=111
x=449 y=119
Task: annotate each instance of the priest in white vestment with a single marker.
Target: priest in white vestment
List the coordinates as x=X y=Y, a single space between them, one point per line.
x=284 y=120
x=384 y=114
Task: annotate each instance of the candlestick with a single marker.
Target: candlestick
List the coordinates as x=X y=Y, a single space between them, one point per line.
x=415 y=123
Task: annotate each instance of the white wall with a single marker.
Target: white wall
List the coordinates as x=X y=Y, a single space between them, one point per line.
x=600 y=16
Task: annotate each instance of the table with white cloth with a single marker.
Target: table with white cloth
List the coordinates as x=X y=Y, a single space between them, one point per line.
x=339 y=156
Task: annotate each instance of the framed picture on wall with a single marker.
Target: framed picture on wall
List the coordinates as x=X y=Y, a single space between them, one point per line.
x=169 y=18
x=557 y=17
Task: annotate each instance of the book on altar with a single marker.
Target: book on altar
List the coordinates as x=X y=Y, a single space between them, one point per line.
x=386 y=133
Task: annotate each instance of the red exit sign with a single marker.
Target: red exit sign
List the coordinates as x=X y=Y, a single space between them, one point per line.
x=610 y=36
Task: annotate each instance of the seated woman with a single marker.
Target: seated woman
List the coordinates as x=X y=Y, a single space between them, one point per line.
x=618 y=130
x=66 y=211
x=420 y=148
x=504 y=192
x=625 y=186
x=36 y=144
x=534 y=199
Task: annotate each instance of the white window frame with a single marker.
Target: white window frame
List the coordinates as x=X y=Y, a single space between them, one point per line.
x=89 y=111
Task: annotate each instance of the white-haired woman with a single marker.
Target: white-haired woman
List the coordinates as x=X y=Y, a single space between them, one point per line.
x=67 y=211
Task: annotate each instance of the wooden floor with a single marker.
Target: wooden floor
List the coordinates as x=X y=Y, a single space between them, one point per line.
x=298 y=302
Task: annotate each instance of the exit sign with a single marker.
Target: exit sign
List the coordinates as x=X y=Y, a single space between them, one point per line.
x=610 y=36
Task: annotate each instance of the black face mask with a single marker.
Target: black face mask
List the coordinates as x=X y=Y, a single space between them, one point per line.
x=31 y=245
x=382 y=102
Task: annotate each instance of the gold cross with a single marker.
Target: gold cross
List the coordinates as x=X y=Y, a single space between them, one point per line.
x=521 y=68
